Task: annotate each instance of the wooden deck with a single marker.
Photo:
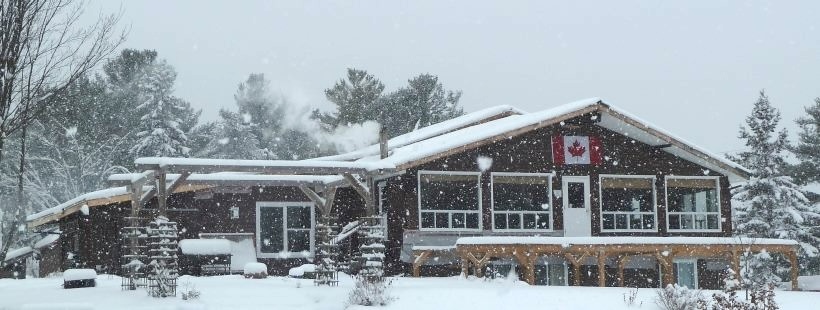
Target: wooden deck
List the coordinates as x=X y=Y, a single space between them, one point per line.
x=476 y=252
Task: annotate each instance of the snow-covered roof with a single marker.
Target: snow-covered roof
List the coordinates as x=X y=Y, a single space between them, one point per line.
x=433 y=130
x=204 y=165
x=47 y=240
x=15 y=253
x=613 y=118
x=108 y=195
x=235 y=178
x=567 y=241
x=205 y=246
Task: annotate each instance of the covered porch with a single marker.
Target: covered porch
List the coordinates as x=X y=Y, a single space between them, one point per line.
x=608 y=253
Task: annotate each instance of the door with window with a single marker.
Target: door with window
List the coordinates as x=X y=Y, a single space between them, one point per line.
x=575 y=194
x=686 y=273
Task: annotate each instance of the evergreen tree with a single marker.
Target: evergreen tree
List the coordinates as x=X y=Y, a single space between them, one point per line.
x=234 y=137
x=807 y=148
x=253 y=99
x=770 y=205
x=422 y=103
x=164 y=119
x=356 y=99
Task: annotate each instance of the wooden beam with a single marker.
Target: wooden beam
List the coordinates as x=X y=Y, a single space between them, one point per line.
x=795 y=269
x=602 y=268
x=162 y=194
x=177 y=182
x=363 y=190
x=420 y=258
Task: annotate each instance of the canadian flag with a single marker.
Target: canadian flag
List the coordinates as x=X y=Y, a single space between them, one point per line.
x=576 y=150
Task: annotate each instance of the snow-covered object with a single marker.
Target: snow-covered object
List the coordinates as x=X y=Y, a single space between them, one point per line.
x=567 y=241
x=15 y=253
x=108 y=193
x=79 y=274
x=504 y=127
x=84 y=209
x=298 y=272
x=47 y=240
x=205 y=246
x=260 y=164
x=429 y=132
x=255 y=270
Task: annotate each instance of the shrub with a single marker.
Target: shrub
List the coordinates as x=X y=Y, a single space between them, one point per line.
x=189 y=291
x=370 y=291
x=631 y=297
x=675 y=297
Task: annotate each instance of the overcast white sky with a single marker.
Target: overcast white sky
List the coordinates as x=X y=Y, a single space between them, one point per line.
x=691 y=67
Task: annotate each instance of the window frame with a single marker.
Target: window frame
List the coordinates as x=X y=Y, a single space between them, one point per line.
x=551 y=211
x=284 y=205
x=479 y=210
x=668 y=213
x=601 y=202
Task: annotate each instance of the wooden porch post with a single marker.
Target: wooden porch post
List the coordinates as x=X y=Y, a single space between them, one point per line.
x=666 y=269
x=602 y=268
x=735 y=262
x=621 y=265
x=162 y=194
x=465 y=267
x=528 y=265
x=795 y=269
x=419 y=260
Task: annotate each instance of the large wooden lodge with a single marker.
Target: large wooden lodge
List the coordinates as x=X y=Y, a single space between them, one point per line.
x=580 y=194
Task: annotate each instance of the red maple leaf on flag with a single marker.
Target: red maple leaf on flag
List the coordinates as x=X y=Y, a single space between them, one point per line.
x=576 y=150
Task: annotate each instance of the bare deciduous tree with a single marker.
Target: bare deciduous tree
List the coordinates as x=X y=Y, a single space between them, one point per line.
x=43 y=49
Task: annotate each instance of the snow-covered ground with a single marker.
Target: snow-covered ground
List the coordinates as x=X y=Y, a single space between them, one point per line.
x=236 y=292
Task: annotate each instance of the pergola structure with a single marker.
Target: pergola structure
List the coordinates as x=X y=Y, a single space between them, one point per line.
x=317 y=179
x=477 y=252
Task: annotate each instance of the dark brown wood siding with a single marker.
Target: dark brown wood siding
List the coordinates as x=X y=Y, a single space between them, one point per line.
x=532 y=153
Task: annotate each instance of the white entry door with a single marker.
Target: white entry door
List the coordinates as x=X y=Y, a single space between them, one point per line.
x=577 y=218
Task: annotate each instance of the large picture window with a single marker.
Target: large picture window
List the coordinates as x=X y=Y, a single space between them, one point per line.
x=284 y=229
x=521 y=201
x=628 y=203
x=449 y=200
x=693 y=203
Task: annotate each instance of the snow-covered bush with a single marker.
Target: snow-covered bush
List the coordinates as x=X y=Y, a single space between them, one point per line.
x=757 y=270
x=675 y=297
x=761 y=298
x=189 y=291
x=631 y=297
x=255 y=271
x=370 y=292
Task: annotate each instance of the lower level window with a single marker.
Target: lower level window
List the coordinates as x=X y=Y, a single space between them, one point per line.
x=693 y=203
x=284 y=229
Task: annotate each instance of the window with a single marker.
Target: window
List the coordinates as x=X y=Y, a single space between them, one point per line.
x=693 y=203
x=449 y=200
x=284 y=229
x=628 y=203
x=521 y=201
x=686 y=273
x=553 y=274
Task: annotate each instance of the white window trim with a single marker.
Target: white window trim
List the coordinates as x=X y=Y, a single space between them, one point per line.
x=666 y=198
x=450 y=213
x=551 y=212
x=601 y=202
x=566 y=273
x=284 y=205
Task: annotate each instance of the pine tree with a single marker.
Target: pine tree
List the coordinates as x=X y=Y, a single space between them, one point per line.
x=163 y=117
x=422 y=103
x=356 y=100
x=770 y=205
x=807 y=148
x=266 y=112
x=234 y=137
